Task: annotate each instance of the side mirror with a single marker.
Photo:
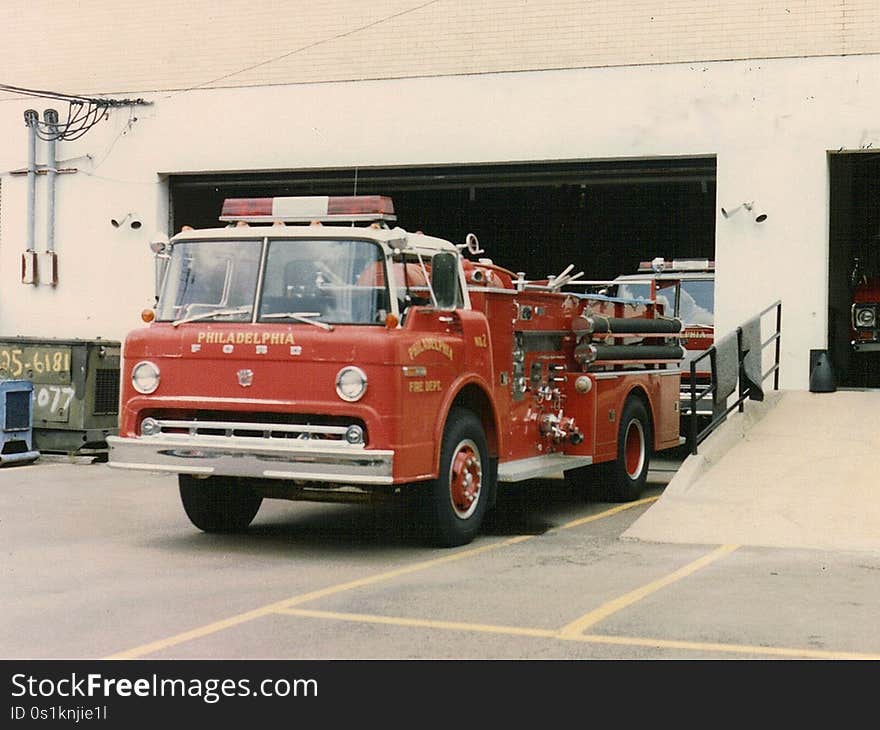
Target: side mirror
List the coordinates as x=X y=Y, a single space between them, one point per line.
x=159 y=246
x=159 y=243
x=444 y=280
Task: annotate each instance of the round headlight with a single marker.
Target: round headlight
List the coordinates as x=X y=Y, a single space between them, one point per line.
x=145 y=377
x=351 y=383
x=865 y=317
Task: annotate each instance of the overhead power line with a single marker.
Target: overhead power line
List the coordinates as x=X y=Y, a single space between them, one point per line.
x=83 y=112
x=309 y=46
x=78 y=99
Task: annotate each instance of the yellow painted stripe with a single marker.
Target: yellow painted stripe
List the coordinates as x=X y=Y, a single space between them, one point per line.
x=644 y=642
x=774 y=651
x=271 y=608
x=607 y=513
x=421 y=623
x=576 y=628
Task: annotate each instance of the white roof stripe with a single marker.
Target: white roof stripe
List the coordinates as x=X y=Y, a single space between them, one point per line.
x=314 y=206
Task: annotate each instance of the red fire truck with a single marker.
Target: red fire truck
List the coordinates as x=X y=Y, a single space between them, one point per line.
x=686 y=289
x=327 y=356
x=865 y=308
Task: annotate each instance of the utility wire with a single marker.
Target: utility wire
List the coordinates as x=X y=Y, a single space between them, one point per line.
x=70 y=97
x=83 y=112
x=307 y=47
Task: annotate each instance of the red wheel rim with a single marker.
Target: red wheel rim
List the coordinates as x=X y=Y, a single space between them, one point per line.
x=634 y=449
x=465 y=479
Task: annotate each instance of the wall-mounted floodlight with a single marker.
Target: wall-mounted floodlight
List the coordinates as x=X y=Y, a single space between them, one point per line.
x=758 y=214
x=134 y=222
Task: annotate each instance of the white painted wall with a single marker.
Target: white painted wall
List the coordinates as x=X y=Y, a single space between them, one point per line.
x=770 y=123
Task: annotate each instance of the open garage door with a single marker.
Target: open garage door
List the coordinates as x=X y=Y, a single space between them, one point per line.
x=602 y=216
x=854 y=267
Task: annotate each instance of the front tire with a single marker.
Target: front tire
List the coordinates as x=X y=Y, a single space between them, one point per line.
x=457 y=499
x=218 y=504
x=629 y=472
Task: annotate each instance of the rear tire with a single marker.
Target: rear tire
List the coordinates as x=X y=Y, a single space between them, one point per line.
x=218 y=504
x=456 y=501
x=629 y=472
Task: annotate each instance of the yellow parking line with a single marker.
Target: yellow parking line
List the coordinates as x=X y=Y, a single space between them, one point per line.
x=256 y=613
x=607 y=513
x=262 y=611
x=421 y=623
x=773 y=651
x=645 y=642
x=570 y=632
x=576 y=628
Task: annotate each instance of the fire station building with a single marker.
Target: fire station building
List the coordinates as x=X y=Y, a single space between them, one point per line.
x=598 y=134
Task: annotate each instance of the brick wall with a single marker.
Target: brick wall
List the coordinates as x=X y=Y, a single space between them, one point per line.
x=94 y=46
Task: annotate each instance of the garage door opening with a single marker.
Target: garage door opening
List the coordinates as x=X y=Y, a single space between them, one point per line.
x=603 y=217
x=854 y=268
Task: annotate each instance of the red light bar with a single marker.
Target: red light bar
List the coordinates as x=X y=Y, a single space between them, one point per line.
x=677 y=265
x=306 y=209
x=237 y=208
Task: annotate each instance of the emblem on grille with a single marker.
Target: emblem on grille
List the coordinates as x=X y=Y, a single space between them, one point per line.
x=245 y=378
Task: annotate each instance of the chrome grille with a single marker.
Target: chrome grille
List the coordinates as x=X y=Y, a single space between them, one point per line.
x=241 y=429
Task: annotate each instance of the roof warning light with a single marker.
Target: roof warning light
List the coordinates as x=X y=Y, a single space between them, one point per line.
x=307 y=209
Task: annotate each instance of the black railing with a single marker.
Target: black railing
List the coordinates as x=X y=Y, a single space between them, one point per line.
x=745 y=387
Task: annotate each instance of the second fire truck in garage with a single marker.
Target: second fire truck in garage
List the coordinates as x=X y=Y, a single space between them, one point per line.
x=329 y=356
x=686 y=289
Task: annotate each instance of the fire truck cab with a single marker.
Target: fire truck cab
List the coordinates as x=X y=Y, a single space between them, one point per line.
x=310 y=351
x=685 y=288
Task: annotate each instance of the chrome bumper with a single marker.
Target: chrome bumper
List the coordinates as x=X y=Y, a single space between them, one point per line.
x=865 y=346
x=299 y=459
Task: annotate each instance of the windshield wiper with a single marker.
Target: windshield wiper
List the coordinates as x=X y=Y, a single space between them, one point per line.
x=210 y=315
x=306 y=317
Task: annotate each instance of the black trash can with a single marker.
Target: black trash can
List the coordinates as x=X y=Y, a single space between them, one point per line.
x=821 y=372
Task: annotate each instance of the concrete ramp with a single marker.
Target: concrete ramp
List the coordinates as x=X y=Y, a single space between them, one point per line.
x=798 y=470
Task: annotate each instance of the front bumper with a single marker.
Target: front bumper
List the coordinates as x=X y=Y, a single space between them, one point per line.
x=865 y=346
x=297 y=459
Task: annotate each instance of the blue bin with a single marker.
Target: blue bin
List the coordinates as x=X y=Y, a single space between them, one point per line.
x=16 y=422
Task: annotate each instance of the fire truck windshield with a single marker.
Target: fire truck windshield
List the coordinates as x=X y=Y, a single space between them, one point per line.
x=696 y=299
x=327 y=280
x=210 y=279
x=697 y=305
x=315 y=281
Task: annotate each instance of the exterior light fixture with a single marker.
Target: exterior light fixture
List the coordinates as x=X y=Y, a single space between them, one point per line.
x=118 y=222
x=758 y=213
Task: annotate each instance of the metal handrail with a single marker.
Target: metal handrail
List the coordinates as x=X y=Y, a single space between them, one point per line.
x=744 y=389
